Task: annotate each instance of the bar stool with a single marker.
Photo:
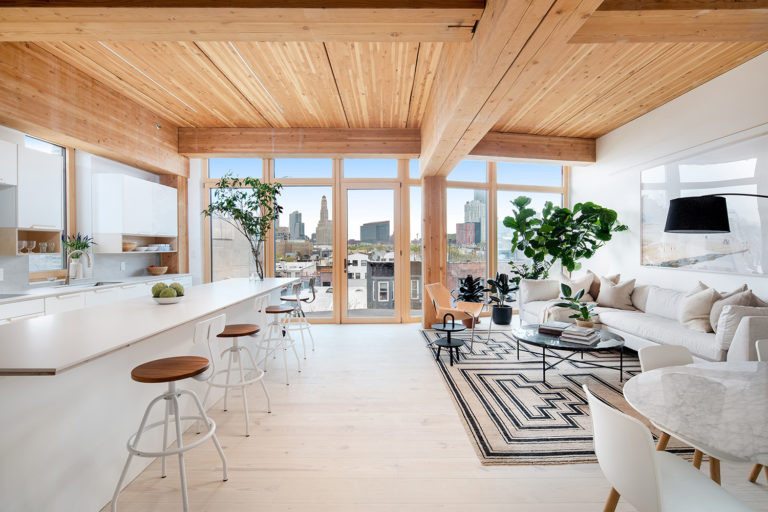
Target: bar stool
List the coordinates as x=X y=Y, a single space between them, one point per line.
x=277 y=337
x=297 y=320
x=170 y=370
x=206 y=332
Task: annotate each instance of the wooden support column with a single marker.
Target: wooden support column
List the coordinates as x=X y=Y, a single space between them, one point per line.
x=178 y=263
x=435 y=252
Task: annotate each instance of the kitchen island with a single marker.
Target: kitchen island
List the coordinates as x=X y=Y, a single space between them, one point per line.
x=67 y=397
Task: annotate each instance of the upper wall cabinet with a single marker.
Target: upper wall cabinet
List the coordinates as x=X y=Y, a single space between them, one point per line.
x=8 y=163
x=40 y=190
x=132 y=206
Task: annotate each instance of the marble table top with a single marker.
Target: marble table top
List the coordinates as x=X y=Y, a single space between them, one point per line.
x=720 y=408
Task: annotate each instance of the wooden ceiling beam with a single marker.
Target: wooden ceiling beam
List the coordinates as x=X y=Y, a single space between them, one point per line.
x=243 y=20
x=500 y=145
x=47 y=98
x=676 y=21
x=286 y=142
x=514 y=44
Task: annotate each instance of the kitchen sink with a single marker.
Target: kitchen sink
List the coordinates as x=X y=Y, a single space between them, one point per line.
x=106 y=283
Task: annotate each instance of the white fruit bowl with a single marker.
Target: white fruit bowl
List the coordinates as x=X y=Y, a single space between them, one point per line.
x=167 y=300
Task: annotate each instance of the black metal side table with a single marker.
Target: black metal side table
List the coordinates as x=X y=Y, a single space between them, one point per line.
x=447 y=342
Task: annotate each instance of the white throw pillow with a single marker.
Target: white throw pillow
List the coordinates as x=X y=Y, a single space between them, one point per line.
x=580 y=283
x=640 y=296
x=539 y=289
x=695 y=308
x=594 y=290
x=663 y=302
x=729 y=321
x=738 y=297
x=616 y=295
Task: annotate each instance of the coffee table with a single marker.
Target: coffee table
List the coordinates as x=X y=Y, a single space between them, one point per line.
x=530 y=335
x=447 y=342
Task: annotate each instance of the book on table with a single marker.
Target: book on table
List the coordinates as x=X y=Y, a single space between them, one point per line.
x=554 y=328
x=583 y=335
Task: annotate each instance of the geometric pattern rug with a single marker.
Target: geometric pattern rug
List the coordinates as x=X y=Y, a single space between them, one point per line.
x=512 y=417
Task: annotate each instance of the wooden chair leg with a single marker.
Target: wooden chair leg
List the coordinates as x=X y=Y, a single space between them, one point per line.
x=661 y=445
x=697 y=459
x=612 y=501
x=766 y=473
x=714 y=469
x=756 y=472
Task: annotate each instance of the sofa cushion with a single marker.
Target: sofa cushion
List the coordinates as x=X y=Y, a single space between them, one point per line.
x=594 y=290
x=735 y=298
x=663 y=302
x=640 y=296
x=729 y=322
x=539 y=289
x=662 y=330
x=616 y=295
x=695 y=307
x=536 y=307
x=580 y=283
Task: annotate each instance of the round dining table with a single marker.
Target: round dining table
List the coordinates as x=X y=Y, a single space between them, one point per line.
x=719 y=408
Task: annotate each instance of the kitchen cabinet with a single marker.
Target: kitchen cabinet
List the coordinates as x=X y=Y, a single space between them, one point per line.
x=131 y=291
x=40 y=190
x=165 y=210
x=138 y=206
x=22 y=308
x=8 y=163
x=102 y=296
x=62 y=303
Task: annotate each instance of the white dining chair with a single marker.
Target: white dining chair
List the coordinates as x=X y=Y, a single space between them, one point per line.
x=761 y=347
x=651 y=480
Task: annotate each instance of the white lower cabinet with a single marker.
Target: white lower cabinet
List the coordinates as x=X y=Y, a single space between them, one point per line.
x=131 y=291
x=22 y=309
x=62 y=303
x=102 y=296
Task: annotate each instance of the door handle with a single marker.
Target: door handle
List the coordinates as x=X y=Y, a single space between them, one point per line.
x=345 y=264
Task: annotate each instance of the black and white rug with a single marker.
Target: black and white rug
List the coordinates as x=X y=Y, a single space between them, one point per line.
x=512 y=417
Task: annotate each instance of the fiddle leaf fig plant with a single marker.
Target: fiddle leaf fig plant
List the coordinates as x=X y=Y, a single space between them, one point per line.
x=250 y=206
x=558 y=233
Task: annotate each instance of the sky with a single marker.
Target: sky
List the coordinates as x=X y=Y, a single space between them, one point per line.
x=377 y=205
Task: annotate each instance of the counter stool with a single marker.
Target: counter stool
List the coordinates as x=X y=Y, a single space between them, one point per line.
x=277 y=337
x=206 y=331
x=170 y=370
x=298 y=320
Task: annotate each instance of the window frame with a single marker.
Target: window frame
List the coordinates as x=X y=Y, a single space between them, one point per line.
x=379 y=290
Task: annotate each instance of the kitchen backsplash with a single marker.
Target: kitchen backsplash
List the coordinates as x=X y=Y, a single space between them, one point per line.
x=15 y=273
x=107 y=266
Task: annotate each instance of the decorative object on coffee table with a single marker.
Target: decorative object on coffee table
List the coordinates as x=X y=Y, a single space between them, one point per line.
x=583 y=315
x=500 y=291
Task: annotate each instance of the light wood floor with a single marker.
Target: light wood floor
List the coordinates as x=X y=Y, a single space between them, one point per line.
x=369 y=426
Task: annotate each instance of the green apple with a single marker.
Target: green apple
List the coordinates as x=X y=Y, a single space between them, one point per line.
x=158 y=288
x=167 y=293
x=179 y=289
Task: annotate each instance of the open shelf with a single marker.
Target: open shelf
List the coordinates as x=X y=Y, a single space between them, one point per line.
x=9 y=238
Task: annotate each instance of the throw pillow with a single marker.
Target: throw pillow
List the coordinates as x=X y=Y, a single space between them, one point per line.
x=729 y=321
x=663 y=302
x=640 y=296
x=594 y=290
x=695 y=308
x=737 y=297
x=538 y=289
x=581 y=283
x=616 y=295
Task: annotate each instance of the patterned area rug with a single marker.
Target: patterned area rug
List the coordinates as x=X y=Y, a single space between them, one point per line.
x=512 y=417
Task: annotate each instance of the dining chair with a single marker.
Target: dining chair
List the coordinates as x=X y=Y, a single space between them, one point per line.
x=761 y=347
x=441 y=300
x=651 y=480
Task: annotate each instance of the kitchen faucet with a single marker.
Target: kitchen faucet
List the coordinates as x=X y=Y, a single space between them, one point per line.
x=69 y=261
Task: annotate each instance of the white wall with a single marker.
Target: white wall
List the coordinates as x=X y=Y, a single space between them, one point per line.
x=732 y=107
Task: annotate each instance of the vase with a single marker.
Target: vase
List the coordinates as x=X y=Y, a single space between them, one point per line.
x=74 y=269
x=585 y=323
x=502 y=315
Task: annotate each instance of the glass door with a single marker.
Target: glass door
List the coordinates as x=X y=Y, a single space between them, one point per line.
x=370 y=292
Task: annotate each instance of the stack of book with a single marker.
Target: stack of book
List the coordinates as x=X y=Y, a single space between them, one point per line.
x=582 y=335
x=554 y=328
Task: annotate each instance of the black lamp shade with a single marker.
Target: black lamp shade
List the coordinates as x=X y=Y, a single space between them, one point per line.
x=703 y=214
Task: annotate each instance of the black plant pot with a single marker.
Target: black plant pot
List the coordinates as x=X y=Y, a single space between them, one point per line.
x=502 y=315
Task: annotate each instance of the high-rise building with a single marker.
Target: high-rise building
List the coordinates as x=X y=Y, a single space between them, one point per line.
x=375 y=232
x=480 y=195
x=468 y=233
x=475 y=211
x=296 y=226
x=324 y=231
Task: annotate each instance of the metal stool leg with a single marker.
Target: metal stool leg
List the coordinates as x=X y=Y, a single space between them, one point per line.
x=242 y=388
x=180 y=444
x=263 y=386
x=229 y=371
x=213 y=436
x=165 y=437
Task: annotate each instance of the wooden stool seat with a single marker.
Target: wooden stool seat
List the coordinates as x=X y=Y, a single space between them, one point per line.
x=237 y=330
x=170 y=369
x=293 y=298
x=276 y=310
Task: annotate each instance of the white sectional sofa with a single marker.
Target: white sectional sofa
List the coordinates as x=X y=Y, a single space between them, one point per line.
x=653 y=320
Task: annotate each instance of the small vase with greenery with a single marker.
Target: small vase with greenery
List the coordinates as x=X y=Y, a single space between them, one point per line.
x=78 y=242
x=470 y=289
x=250 y=206
x=557 y=233
x=500 y=292
x=583 y=315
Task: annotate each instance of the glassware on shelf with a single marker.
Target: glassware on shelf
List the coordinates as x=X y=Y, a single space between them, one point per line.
x=22 y=245
x=31 y=245
x=43 y=247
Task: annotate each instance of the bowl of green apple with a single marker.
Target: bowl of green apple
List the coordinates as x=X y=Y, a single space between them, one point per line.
x=167 y=294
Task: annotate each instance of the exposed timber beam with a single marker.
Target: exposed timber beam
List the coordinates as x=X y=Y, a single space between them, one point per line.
x=266 y=142
x=238 y=20
x=675 y=21
x=539 y=147
x=475 y=81
x=48 y=98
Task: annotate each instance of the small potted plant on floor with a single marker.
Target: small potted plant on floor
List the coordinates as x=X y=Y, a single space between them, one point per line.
x=500 y=291
x=583 y=315
x=470 y=290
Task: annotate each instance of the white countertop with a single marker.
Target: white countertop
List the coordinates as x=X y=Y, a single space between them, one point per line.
x=51 y=344
x=81 y=285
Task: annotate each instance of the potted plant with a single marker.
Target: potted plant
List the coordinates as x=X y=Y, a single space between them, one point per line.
x=583 y=315
x=250 y=206
x=74 y=243
x=500 y=291
x=557 y=233
x=470 y=290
